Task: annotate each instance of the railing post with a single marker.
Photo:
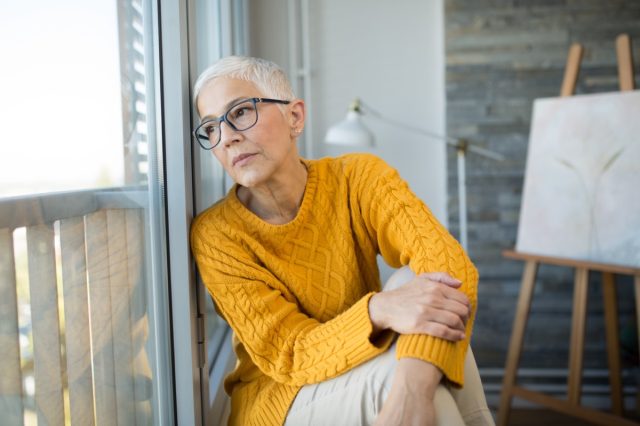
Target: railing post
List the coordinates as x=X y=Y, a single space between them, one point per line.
x=45 y=323
x=10 y=372
x=76 y=313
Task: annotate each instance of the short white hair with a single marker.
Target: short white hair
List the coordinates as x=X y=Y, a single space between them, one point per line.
x=269 y=78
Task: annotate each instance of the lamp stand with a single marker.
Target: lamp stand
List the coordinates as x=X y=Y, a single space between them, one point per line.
x=462 y=193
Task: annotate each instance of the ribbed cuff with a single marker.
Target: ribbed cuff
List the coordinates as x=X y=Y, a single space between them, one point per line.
x=360 y=328
x=447 y=356
x=343 y=343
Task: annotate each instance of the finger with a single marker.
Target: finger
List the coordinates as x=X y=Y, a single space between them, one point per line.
x=460 y=310
x=457 y=295
x=447 y=318
x=439 y=296
x=441 y=277
x=442 y=331
x=447 y=299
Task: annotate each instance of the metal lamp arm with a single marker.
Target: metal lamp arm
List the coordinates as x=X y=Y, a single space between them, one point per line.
x=459 y=144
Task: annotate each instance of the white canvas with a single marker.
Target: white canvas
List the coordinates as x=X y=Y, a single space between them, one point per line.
x=581 y=196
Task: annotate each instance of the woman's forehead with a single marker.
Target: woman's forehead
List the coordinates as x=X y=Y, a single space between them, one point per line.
x=219 y=94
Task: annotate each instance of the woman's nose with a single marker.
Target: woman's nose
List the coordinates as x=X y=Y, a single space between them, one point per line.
x=228 y=134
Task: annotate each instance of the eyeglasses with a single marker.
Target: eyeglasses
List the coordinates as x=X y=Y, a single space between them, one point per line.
x=240 y=116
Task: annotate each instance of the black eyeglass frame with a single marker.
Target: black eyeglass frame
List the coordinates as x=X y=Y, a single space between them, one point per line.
x=202 y=139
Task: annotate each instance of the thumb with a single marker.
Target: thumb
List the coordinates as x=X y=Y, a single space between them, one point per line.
x=442 y=277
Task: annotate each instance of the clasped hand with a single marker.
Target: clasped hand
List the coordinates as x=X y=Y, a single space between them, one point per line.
x=428 y=304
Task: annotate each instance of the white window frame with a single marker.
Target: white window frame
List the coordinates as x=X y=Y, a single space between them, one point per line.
x=175 y=132
x=198 y=369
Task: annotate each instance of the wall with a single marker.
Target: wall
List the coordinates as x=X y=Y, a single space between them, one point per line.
x=390 y=54
x=500 y=56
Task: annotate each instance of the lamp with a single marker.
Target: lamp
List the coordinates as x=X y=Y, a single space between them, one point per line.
x=352 y=132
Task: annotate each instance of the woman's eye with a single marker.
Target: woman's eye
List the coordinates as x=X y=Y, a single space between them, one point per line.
x=209 y=129
x=240 y=112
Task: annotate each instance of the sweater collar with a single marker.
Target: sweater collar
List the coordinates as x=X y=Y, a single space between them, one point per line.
x=250 y=218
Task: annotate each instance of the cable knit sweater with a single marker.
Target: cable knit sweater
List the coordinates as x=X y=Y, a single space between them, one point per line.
x=296 y=295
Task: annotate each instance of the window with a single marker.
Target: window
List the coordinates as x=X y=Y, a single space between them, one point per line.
x=83 y=279
x=97 y=191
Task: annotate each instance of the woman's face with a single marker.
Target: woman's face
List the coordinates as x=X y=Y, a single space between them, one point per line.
x=254 y=156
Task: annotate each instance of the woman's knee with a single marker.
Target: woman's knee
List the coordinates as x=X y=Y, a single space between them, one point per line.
x=471 y=399
x=447 y=412
x=399 y=278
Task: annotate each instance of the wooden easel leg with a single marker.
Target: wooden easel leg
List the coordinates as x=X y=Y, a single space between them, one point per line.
x=577 y=334
x=515 y=344
x=613 y=340
x=637 y=294
x=625 y=63
x=571 y=70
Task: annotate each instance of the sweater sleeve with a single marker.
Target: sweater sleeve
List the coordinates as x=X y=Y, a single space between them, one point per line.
x=283 y=342
x=407 y=233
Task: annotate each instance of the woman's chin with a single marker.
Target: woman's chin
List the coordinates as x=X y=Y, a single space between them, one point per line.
x=250 y=180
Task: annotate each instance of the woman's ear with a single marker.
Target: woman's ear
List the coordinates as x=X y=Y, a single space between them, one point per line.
x=297 y=113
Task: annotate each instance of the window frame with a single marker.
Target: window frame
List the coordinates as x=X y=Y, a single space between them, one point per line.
x=175 y=116
x=198 y=367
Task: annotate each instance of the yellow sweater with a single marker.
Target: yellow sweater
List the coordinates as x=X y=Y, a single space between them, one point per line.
x=296 y=295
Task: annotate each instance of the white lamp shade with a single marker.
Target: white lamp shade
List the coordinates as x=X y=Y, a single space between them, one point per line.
x=350 y=132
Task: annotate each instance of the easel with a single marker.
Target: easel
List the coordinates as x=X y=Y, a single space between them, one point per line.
x=571 y=406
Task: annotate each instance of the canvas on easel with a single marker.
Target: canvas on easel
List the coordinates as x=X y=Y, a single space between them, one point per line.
x=581 y=195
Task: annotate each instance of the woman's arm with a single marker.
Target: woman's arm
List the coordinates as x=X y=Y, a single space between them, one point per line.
x=283 y=342
x=407 y=233
x=411 y=398
x=428 y=304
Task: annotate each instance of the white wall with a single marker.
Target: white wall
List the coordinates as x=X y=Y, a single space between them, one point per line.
x=390 y=54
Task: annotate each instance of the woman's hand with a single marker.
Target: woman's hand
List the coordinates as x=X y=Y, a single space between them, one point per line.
x=428 y=304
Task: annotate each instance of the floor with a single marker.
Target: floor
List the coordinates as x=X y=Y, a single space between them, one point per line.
x=533 y=417
x=536 y=417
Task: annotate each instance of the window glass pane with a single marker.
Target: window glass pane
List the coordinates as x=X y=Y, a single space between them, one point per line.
x=210 y=178
x=68 y=101
x=83 y=294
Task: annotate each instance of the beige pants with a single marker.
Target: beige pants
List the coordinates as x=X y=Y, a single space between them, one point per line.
x=356 y=397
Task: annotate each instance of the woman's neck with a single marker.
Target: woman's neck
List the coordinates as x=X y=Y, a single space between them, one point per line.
x=277 y=201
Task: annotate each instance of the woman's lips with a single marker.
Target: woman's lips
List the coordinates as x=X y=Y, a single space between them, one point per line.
x=241 y=159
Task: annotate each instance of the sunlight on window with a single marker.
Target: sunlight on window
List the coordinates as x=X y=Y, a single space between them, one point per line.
x=61 y=103
x=75 y=117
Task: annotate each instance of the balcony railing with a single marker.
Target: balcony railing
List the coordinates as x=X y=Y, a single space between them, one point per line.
x=86 y=258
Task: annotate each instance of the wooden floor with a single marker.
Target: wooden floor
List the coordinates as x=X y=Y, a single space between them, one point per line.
x=531 y=417
x=536 y=417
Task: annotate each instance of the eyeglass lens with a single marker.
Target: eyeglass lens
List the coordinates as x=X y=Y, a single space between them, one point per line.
x=240 y=117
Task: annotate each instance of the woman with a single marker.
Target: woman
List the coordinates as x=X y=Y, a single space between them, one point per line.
x=289 y=257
